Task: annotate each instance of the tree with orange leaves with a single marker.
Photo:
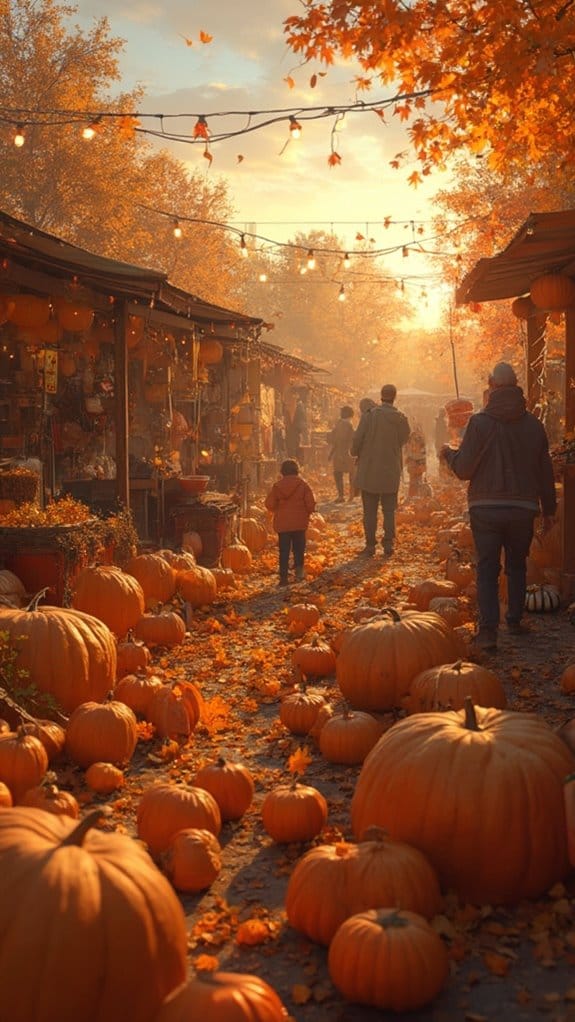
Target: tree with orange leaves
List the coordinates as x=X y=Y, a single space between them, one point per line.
x=491 y=78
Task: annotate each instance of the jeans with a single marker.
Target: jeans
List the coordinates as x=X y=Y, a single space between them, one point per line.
x=371 y=502
x=495 y=529
x=291 y=541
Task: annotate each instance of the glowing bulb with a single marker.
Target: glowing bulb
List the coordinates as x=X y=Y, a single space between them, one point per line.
x=294 y=127
x=19 y=138
x=303 y=269
x=262 y=278
x=405 y=251
x=177 y=229
x=89 y=130
x=346 y=261
x=243 y=246
x=310 y=260
x=341 y=295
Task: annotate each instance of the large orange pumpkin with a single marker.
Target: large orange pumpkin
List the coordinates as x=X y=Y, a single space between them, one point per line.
x=23 y=762
x=294 y=812
x=106 y=923
x=166 y=628
x=230 y=783
x=175 y=709
x=110 y=594
x=446 y=686
x=65 y=652
x=165 y=809
x=553 y=291
x=233 y=996
x=378 y=660
x=332 y=882
x=101 y=732
x=479 y=792
x=197 y=586
x=156 y=577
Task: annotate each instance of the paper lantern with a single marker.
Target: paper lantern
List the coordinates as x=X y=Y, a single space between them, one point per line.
x=553 y=291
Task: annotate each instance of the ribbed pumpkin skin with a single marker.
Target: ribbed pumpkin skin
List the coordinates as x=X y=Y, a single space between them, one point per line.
x=192 y=860
x=348 y=737
x=166 y=629
x=378 y=660
x=197 y=586
x=138 y=690
x=374 y=961
x=111 y=595
x=175 y=709
x=101 y=732
x=294 y=813
x=132 y=655
x=231 y=784
x=298 y=711
x=49 y=798
x=332 y=882
x=156 y=577
x=485 y=807
x=105 y=923
x=445 y=687
x=235 y=997
x=23 y=762
x=65 y=652
x=164 y=809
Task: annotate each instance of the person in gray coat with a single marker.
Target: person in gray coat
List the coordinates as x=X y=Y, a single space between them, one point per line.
x=378 y=441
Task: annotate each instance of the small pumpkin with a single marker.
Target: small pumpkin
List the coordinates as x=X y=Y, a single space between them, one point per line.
x=197 y=586
x=446 y=686
x=541 y=599
x=156 y=577
x=315 y=658
x=52 y=736
x=299 y=710
x=137 y=691
x=348 y=737
x=192 y=860
x=222 y=995
x=567 y=679
x=237 y=556
x=420 y=963
x=175 y=710
x=182 y=561
x=23 y=762
x=302 y=616
x=132 y=655
x=225 y=578
x=253 y=534
x=48 y=797
x=422 y=593
x=162 y=628
x=104 y=732
x=165 y=809
x=104 y=778
x=231 y=784
x=294 y=812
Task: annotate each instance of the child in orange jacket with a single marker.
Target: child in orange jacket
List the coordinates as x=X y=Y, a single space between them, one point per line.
x=292 y=501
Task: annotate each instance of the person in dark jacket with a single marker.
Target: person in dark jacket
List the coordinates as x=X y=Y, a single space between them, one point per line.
x=505 y=456
x=377 y=444
x=341 y=437
x=292 y=502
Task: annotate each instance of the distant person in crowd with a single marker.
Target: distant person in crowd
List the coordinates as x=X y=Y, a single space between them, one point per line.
x=292 y=502
x=505 y=456
x=416 y=462
x=366 y=404
x=441 y=431
x=340 y=455
x=296 y=428
x=378 y=441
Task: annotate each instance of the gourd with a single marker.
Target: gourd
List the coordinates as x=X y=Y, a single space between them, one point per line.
x=540 y=599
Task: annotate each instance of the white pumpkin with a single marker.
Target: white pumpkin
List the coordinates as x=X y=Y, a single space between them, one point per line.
x=542 y=599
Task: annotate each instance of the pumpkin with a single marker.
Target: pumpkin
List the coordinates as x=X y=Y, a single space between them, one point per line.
x=156 y=577
x=137 y=690
x=192 y=543
x=131 y=655
x=449 y=608
x=192 y=860
x=64 y=652
x=567 y=679
x=175 y=710
x=253 y=534
x=315 y=659
x=237 y=557
x=29 y=311
x=6 y=800
x=479 y=791
x=47 y=796
x=110 y=594
x=231 y=784
x=211 y=351
x=104 y=778
x=224 y=578
x=301 y=616
x=540 y=599
x=388 y=958
x=104 y=732
x=299 y=709
x=164 y=628
x=553 y=291
x=332 y=882
x=324 y=714
x=165 y=809
x=294 y=812
x=103 y=914
x=523 y=307
x=456 y=571
x=23 y=762
x=197 y=586
x=221 y=995
x=179 y=562
x=446 y=686
x=52 y=736
x=379 y=659
x=347 y=737
x=422 y=593
x=10 y=585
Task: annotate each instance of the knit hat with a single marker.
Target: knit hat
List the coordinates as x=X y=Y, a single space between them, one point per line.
x=503 y=375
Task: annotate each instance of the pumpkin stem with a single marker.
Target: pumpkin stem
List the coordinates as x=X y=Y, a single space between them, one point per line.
x=33 y=605
x=76 y=837
x=457 y=666
x=221 y=762
x=392 y=613
x=470 y=716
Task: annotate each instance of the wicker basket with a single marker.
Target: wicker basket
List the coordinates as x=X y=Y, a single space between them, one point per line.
x=19 y=485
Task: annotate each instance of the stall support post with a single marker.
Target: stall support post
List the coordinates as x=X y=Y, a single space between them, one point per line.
x=121 y=391
x=568 y=520
x=535 y=356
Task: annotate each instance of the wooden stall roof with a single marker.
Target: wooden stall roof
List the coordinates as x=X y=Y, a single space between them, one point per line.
x=279 y=356
x=545 y=243
x=49 y=256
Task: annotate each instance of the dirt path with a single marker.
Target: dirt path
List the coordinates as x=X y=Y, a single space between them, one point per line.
x=505 y=964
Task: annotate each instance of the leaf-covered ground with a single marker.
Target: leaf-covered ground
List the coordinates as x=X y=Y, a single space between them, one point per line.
x=505 y=964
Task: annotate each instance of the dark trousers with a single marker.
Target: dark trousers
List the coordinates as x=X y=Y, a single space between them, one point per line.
x=495 y=529
x=291 y=541
x=371 y=502
x=338 y=477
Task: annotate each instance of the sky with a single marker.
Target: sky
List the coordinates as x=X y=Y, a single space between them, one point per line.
x=276 y=189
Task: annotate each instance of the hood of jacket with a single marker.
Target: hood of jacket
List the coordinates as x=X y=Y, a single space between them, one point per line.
x=287 y=485
x=506 y=404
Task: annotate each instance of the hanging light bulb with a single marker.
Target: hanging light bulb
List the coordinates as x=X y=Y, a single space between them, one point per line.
x=89 y=130
x=243 y=246
x=294 y=127
x=19 y=137
x=405 y=251
x=311 y=260
x=262 y=278
x=341 y=295
x=346 y=261
x=303 y=269
x=177 y=229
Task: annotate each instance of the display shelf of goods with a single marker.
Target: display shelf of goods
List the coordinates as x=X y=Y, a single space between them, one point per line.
x=18 y=484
